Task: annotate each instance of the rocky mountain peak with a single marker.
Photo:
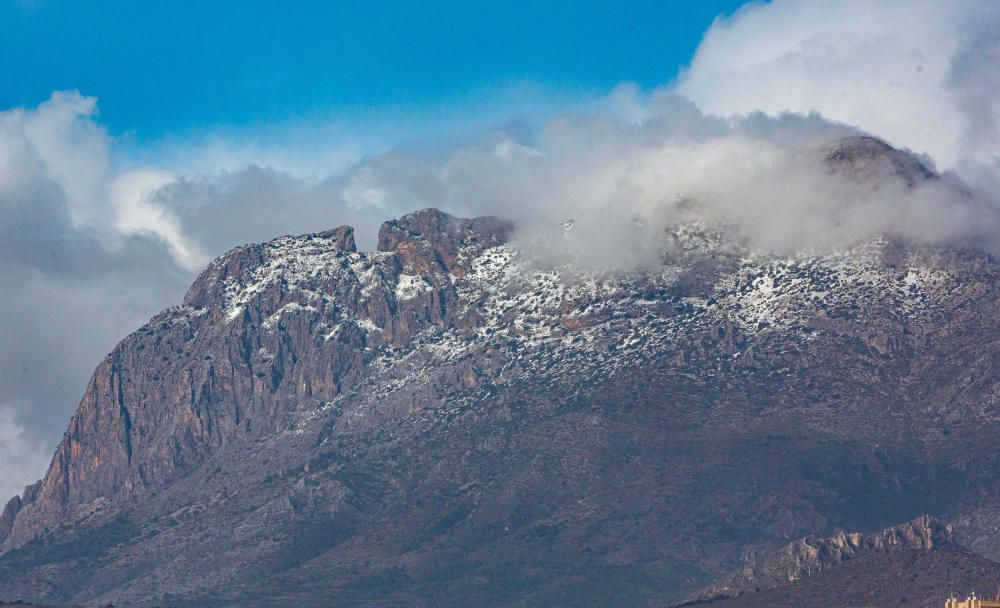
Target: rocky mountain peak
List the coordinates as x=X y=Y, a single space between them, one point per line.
x=238 y=264
x=342 y=238
x=431 y=239
x=864 y=157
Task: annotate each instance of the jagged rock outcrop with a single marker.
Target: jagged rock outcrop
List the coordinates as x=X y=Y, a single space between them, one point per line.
x=922 y=578
x=431 y=240
x=811 y=555
x=445 y=421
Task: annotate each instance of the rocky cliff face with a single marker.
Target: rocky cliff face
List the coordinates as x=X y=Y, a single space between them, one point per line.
x=447 y=421
x=231 y=362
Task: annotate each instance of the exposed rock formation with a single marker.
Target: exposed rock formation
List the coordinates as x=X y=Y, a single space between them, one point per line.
x=811 y=555
x=921 y=578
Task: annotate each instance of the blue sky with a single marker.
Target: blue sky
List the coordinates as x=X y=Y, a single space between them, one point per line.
x=162 y=69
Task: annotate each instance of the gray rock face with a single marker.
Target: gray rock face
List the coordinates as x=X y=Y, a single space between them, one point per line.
x=446 y=422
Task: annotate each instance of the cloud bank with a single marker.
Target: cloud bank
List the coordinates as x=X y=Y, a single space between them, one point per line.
x=73 y=284
x=92 y=244
x=920 y=73
x=18 y=452
x=622 y=183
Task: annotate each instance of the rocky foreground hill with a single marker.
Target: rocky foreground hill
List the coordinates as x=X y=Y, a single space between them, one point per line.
x=917 y=563
x=446 y=421
x=809 y=556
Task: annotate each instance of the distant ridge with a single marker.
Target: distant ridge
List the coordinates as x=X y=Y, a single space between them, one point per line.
x=914 y=578
x=811 y=555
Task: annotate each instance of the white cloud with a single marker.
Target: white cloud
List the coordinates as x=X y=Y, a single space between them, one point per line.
x=624 y=176
x=133 y=196
x=78 y=271
x=901 y=69
x=70 y=148
x=20 y=457
x=59 y=153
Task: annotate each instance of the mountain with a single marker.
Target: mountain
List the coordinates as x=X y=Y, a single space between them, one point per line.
x=450 y=421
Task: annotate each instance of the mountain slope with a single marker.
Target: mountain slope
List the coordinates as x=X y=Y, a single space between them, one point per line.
x=448 y=421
